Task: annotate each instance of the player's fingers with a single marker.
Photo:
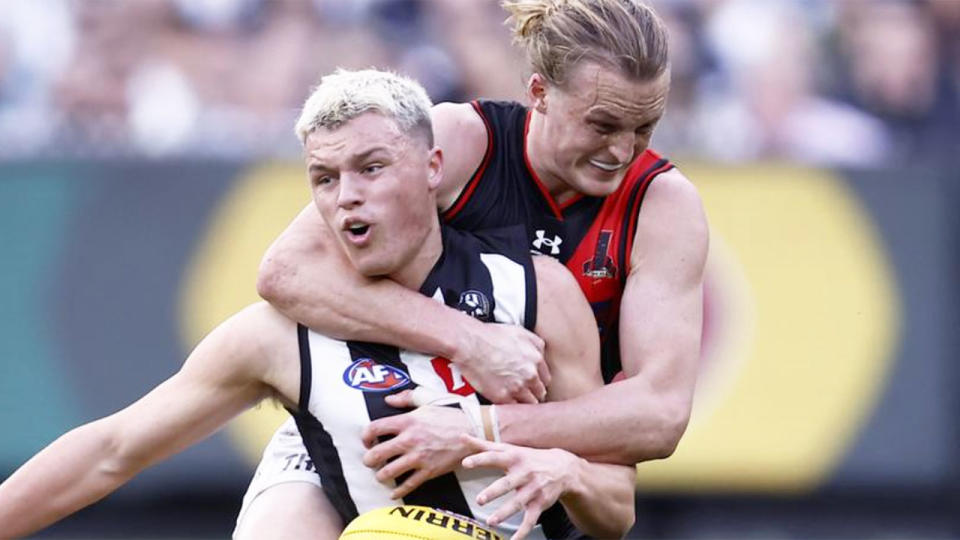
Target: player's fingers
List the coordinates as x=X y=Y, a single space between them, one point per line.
x=497 y=489
x=401 y=400
x=544 y=371
x=381 y=453
x=487 y=460
x=537 y=342
x=506 y=510
x=538 y=389
x=395 y=468
x=475 y=444
x=492 y=459
x=524 y=395
x=501 y=397
x=391 y=425
x=410 y=484
x=530 y=517
x=422 y=396
x=517 y=503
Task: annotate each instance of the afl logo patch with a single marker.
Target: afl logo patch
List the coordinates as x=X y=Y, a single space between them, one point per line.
x=475 y=304
x=369 y=376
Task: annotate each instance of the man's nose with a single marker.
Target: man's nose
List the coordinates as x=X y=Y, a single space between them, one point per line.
x=351 y=192
x=623 y=146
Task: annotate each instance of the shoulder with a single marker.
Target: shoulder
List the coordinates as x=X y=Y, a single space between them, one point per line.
x=449 y=115
x=462 y=136
x=260 y=338
x=269 y=324
x=459 y=127
x=673 y=188
x=672 y=219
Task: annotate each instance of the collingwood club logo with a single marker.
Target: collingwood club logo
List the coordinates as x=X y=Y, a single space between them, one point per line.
x=552 y=243
x=476 y=304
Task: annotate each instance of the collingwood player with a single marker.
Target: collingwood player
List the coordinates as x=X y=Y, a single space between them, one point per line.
x=374 y=173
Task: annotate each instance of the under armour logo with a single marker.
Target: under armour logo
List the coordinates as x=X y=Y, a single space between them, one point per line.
x=553 y=244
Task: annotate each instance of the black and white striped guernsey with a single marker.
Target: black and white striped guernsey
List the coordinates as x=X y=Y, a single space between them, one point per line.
x=344 y=384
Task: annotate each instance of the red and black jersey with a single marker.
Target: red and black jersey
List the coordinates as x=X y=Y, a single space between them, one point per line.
x=592 y=236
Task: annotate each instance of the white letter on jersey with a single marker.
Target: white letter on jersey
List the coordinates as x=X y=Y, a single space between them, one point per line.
x=375 y=375
x=456 y=378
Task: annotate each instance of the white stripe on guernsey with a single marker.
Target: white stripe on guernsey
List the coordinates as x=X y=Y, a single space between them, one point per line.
x=343 y=412
x=509 y=288
x=420 y=369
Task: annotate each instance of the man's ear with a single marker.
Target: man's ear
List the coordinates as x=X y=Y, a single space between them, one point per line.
x=537 y=92
x=435 y=168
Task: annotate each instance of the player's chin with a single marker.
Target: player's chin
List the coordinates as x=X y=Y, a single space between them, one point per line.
x=372 y=264
x=598 y=183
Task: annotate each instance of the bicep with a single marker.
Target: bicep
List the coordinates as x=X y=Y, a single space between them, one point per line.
x=219 y=379
x=568 y=328
x=662 y=305
x=173 y=416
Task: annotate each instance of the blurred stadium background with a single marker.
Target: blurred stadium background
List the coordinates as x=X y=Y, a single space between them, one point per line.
x=147 y=159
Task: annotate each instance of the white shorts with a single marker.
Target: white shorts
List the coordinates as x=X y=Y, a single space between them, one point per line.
x=285 y=459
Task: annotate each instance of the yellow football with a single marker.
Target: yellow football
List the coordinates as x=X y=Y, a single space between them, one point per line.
x=420 y=522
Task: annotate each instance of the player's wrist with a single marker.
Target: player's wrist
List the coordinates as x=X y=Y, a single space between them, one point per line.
x=461 y=348
x=574 y=482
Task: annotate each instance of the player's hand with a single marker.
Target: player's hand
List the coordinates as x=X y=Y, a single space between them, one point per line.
x=504 y=362
x=536 y=477
x=426 y=441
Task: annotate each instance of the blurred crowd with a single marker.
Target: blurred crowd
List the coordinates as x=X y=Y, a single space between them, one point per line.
x=834 y=82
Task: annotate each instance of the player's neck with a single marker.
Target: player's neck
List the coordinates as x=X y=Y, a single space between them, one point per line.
x=537 y=161
x=428 y=252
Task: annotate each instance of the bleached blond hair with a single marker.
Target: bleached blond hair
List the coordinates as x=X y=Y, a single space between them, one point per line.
x=344 y=95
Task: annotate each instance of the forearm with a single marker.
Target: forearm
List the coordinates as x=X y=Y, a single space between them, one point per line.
x=307 y=277
x=625 y=422
x=600 y=501
x=385 y=312
x=224 y=375
x=76 y=470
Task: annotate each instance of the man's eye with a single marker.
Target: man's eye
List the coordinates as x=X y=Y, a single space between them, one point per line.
x=604 y=128
x=646 y=128
x=323 y=180
x=370 y=169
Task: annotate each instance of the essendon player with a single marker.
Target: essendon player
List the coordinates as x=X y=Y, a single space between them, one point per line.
x=374 y=173
x=593 y=235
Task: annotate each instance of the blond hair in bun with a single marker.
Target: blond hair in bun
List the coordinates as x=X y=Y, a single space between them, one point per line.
x=558 y=34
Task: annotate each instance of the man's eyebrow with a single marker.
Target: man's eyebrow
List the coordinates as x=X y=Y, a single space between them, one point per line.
x=356 y=158
x=603 y=114
x=367 y=153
